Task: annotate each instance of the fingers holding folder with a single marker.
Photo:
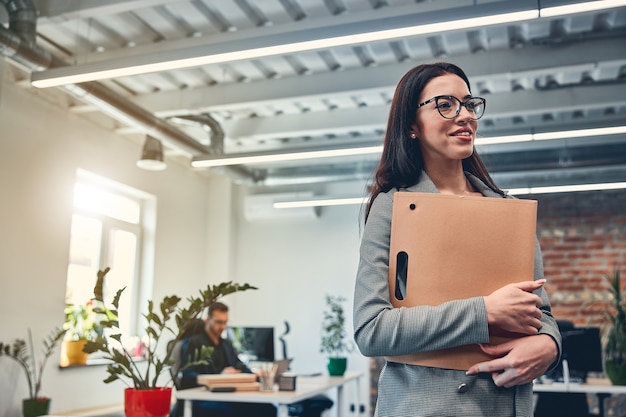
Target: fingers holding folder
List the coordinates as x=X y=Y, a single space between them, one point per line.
x=514 y=308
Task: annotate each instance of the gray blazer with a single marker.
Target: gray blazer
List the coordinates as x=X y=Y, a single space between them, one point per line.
x=382 y=330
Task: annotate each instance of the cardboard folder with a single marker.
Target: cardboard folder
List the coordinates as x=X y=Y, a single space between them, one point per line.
x=446 y=247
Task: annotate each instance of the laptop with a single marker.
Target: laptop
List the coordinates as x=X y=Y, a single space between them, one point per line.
x=282 y=366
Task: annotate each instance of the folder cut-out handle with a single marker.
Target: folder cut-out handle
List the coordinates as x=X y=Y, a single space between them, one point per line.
x=402 y=268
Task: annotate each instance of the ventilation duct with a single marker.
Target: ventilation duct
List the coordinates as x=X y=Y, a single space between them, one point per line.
x=18 y=44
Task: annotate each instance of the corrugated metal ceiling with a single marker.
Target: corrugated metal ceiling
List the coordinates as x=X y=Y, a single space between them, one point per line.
x=548 y=74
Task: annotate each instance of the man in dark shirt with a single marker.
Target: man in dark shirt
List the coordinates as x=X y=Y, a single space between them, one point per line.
x=224 y=360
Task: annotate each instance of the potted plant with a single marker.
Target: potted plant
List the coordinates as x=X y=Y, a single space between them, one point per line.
x=145 y=388
x=81 y=325
x=24 y=354
x=334 y=336
x=615 y=346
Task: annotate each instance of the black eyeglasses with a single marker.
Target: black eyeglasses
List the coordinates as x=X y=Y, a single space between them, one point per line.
x=449 y=107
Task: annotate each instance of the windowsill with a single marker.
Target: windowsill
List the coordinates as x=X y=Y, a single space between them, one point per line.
x=98 y=362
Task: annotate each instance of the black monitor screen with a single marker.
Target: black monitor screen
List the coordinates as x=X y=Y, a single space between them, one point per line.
x=582 y=349
x=253 y=343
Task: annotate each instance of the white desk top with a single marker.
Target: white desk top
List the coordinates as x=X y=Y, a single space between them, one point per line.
x=306 y=387
x=591 y=388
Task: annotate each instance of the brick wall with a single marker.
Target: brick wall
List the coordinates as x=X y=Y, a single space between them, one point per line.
x=582 y=237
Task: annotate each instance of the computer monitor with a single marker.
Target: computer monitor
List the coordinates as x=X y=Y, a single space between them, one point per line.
x=582 y=350
x=252 y=343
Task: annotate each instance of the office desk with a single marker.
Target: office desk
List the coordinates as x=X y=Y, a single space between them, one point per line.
x=602 y=391
x=306 y=387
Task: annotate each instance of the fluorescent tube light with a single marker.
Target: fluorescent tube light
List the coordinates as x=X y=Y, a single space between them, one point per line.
x=580 y=133
x=562 y=134
x=270 y=46
x=568 y=188
x=588 y=6
x=296 y=155
x=319 y=202
x=259 y=158
x=340 y=201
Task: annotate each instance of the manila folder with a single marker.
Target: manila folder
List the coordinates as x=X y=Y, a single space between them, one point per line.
x=446 y=247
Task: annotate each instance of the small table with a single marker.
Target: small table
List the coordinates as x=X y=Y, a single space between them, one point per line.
x=306 y=387
x=601 y=391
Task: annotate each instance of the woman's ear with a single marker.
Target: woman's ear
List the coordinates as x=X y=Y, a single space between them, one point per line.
x=414 y=133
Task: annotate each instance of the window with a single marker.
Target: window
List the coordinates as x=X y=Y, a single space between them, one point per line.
x=112 y=225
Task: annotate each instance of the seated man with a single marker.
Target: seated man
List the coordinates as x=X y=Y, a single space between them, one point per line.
x=224 y=359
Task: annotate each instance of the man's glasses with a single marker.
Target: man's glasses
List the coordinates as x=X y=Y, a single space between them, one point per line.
x=449 y=107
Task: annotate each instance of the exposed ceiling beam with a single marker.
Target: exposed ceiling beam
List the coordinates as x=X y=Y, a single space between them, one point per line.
x=55 y=12
x=512 y=64
x=385 y=29
x=501 y=105
x=58 y=12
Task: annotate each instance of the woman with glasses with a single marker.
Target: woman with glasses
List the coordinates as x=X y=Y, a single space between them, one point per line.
x=429 y=147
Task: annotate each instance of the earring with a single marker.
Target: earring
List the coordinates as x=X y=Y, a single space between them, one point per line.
x=413 y=135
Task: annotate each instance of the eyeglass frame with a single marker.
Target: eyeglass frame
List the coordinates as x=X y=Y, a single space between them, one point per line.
x=458 y=108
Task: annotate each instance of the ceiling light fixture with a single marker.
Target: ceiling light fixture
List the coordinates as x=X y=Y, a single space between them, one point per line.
x=305 y=40
x=321 y=202
x=564 y=134
x=340 y=201
x=312 y=39
x=587 y=6
x=293 y=155
x=312 y=153
x=568 y=188
x=152 y=155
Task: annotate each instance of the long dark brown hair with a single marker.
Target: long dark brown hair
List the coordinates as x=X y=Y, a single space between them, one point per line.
x=401 y=163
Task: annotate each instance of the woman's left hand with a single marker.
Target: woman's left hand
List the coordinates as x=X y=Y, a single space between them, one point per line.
x=520 y=360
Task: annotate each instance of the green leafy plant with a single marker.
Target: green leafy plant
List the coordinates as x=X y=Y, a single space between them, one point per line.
x=24 y=354
x=333 y=328
x=615 y=347
x=158 y=328
x=81 y=321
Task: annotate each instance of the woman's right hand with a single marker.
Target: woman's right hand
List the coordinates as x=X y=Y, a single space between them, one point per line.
x=514 y=308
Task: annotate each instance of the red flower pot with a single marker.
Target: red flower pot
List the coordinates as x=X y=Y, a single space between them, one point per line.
x=147 y=403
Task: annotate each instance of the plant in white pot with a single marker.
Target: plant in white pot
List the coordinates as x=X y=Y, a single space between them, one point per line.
x=24 y=354
x=615 y=345
x=333 y=340
x=145 y=387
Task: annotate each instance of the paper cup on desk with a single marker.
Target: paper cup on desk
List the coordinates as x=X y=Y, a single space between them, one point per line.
x=267 y=374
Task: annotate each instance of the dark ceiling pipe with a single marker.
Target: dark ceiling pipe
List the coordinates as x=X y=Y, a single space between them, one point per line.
x=18 y=43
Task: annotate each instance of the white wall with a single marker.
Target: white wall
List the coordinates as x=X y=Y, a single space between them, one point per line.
x=201 y=238
x=295 y=263
x=41 y=146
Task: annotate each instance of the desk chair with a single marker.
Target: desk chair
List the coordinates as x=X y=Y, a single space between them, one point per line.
x=311 y=407
x=177 y=409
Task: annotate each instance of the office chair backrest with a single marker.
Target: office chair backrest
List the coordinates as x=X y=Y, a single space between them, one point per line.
x=178 y=362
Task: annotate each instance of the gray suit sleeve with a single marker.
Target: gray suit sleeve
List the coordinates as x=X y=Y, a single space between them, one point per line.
x=382 y=330
x=548 y=323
